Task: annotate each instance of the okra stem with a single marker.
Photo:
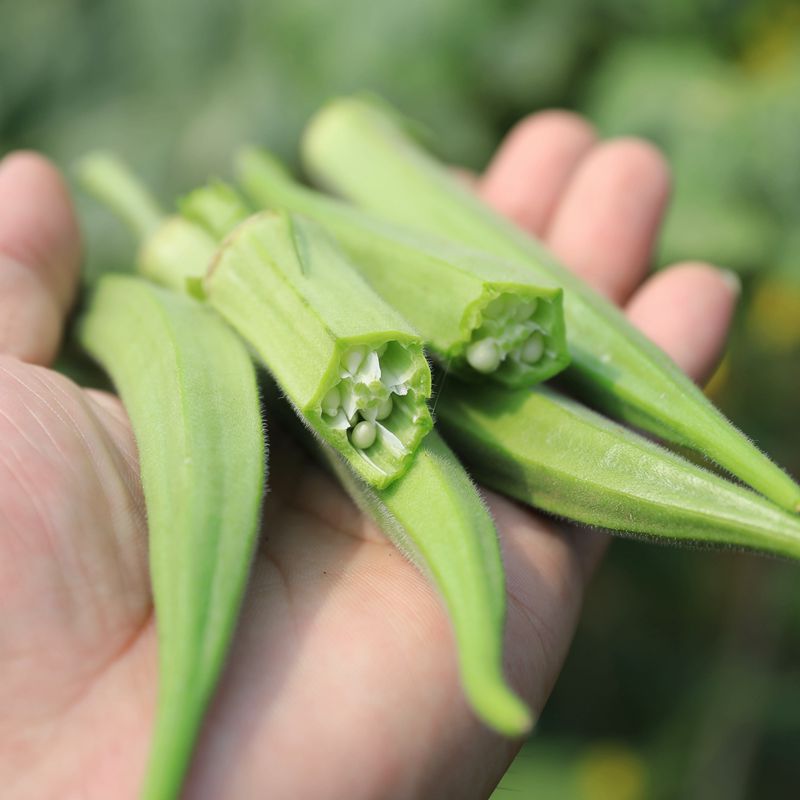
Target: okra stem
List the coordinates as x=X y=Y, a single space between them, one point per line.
x=283 y=285
x=217 y=208
x=108 y=179
x=360 y=152
x=174 y=251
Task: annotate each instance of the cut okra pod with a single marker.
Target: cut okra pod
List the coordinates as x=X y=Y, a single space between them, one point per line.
x=359 y=151
x=480 y=315
x=189 y=388
x=349 y=364
x=556 y=455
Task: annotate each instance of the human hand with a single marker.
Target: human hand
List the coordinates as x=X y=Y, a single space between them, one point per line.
x=343 y=680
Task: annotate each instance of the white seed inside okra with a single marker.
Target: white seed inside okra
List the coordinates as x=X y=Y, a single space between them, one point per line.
x=384 y=409
x=508 y=330
x=362 y=397
x=533 y=349
x=484 y=355
x=363 y=435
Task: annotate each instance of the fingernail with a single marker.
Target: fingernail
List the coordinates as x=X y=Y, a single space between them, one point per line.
x=732 y=281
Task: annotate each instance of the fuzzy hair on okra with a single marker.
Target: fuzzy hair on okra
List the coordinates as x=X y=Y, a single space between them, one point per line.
x=436 y=517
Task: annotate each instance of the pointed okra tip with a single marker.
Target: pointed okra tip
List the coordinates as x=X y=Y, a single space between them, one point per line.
x=501 y=709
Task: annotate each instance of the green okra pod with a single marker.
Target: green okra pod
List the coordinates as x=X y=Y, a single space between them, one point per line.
x=552 y=453
x=188 y=385
x=436 y=518
x=349 y=364
x=480 y=315
x=360 y=151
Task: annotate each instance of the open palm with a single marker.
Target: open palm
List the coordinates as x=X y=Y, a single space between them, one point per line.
x=343 y=680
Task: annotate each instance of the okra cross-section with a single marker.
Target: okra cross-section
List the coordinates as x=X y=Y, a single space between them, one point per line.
x=482 y=316
x=350 y=365
x=517 y=336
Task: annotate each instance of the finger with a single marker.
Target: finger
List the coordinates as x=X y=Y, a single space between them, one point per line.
x=533 y=165
x=687 y=310
x=39 y=257
x=606 y=223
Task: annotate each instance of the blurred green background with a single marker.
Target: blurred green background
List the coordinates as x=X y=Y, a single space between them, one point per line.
x=684 y=679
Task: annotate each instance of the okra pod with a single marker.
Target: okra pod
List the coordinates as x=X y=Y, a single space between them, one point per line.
x=361 y=152
x=434 y=515
x=556 y=455
x=349 y=364
x=188 y=385
x=480 y=315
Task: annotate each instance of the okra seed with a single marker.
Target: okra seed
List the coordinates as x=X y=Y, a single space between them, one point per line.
x=484 y=355
x=525 y=310
x=363 y=435
x=331 y=402
x=385 y=408
x=533 y=349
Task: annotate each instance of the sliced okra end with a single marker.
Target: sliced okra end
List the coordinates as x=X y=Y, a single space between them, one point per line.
x=374 y=407
x=516 y=339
